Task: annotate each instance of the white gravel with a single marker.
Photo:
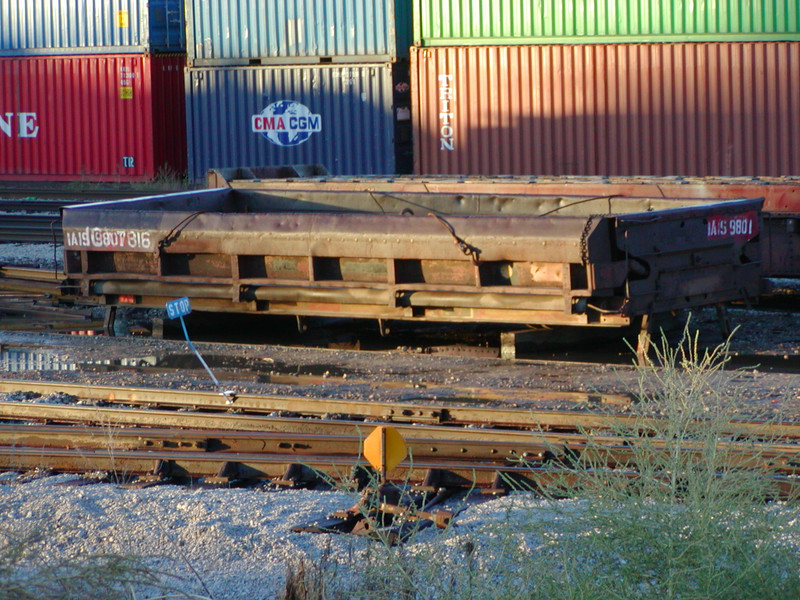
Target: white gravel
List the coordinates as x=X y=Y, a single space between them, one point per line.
x=42 y=256
x=216 y=543
x=225 y=544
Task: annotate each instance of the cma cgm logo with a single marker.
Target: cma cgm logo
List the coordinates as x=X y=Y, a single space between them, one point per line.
x=19 y=124
x=286 y=123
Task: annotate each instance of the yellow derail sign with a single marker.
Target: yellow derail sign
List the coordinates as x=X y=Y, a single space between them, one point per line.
x=384 y=448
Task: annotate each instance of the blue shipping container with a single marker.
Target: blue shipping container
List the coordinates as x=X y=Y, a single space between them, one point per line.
x=341 y=116
x=53 y=27
x=243 y=32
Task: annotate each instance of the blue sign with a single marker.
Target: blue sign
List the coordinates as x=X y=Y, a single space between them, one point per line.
x=178 y=308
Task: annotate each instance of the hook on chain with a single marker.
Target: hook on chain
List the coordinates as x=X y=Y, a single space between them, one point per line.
x=468 y=249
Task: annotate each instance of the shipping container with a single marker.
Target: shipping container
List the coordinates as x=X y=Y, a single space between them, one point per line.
x=92 y=118
x=341 y=116
x=728 y=109
x=246 y=32
x=473 y=22
x=52 y=27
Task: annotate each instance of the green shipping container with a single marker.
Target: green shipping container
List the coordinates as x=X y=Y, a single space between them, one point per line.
x=482 y=22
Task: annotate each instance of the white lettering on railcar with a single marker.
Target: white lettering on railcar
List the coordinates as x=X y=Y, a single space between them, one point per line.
x=446 y=131
x=96 y=238
x=742 y=226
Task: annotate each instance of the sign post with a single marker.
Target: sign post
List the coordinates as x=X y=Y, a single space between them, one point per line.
x=177 y=309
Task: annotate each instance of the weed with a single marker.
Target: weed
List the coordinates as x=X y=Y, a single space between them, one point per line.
x=684 y=516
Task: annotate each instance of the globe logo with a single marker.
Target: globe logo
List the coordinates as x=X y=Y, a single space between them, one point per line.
x=286 y=123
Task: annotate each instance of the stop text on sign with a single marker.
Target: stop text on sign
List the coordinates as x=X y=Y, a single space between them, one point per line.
x=178 y=308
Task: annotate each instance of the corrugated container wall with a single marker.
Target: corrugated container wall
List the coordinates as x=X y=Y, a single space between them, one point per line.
x=619 y=109
x=480 y=22
x=48 y=27
x=242 y=32
x=339 y=116
x=92 y=118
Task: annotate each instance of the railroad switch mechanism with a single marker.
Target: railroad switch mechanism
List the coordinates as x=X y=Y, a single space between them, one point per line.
x=387 y=512
x=393 y=513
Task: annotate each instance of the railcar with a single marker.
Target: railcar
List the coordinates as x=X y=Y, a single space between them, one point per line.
x=780 y=227
x=390 y=253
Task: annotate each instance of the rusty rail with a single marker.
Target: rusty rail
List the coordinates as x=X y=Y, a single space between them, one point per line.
x=285 y=466
x=498 y=447
x=221 y=447
x=389 y=411
x=526 y=418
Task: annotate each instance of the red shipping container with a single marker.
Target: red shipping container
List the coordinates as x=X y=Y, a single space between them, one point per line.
x=729 y=109
x=115 y=117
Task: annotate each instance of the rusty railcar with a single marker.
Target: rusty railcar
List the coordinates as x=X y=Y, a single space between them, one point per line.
x=416 y=256
x=780 y=226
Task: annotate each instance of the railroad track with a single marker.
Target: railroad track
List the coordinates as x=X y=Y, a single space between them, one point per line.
x=36 y=300
x=497 y=447
x=33 y=215
x=63 y=195
x=32 y=219
x=526 y=418
x=145 y=436
x=34 y=205
x=30 y=228
x=302 y=426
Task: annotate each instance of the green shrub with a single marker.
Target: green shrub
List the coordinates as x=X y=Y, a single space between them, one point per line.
x=684 y=517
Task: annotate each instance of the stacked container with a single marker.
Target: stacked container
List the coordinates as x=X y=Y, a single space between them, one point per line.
x=607 y=87
x=91 y=92
x=278 y=82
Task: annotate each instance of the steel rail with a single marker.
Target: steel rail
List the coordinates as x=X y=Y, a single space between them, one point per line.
x=31 y=204
x=114 y=417
x=245 y=465
x=31 y=274
x=479 y=394
x=608 y=452
x=395 y=412
x=296 y=444
x=390 y=411
x=30 y=228
x=63 y=195
x=109 y=420
x=311 y=469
